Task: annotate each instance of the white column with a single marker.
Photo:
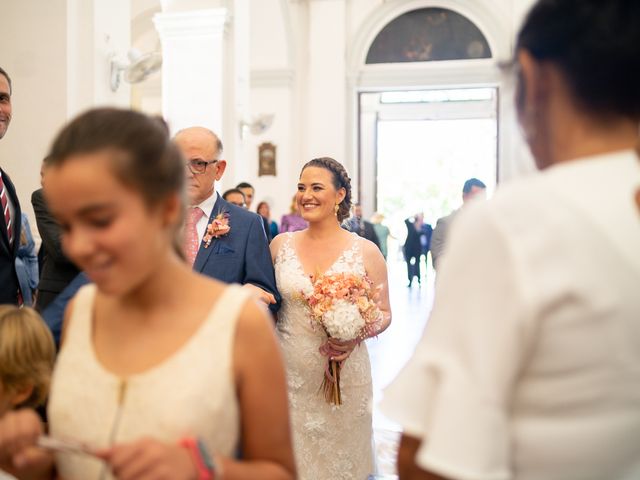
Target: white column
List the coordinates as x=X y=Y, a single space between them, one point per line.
x=241 y=159
x=96 y=32
x=193 y=67
x=326 y=93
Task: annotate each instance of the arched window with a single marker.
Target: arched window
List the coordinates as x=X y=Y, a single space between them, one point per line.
x=428 y=34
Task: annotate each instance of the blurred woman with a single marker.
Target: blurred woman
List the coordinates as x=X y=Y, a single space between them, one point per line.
x=162 y=373
x=27 y=263
x=265 y=212
x=528 y=368
x=292 y=222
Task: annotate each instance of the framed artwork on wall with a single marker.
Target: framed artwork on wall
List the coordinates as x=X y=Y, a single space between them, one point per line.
x=267 y=159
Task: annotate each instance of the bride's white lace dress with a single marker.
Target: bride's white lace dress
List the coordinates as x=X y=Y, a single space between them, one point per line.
x=330 y=442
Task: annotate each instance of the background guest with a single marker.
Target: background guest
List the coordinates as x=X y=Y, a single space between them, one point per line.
x=412 y=248
x=56 y=270
x=235 y=197
x=382 y=232
x=362 y=227
x=264 y=211
x=248 y=192
x=27 y=263
x=292 y=222
x=472 y=189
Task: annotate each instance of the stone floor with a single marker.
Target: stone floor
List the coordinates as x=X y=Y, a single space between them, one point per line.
x=410 y=307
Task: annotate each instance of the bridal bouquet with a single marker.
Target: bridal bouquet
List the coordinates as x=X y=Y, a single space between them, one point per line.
x=342 y=305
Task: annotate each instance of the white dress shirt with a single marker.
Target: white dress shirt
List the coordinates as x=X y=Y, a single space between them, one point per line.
x=207 y=208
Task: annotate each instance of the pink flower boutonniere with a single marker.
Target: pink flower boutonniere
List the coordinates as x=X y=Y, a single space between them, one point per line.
x=219 y=227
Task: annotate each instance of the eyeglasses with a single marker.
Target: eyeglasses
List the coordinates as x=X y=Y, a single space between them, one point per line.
x=198 y=167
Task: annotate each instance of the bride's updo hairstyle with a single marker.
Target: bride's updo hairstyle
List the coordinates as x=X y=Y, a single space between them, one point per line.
x=340 y=180
x=596 y=45
x=142 y=155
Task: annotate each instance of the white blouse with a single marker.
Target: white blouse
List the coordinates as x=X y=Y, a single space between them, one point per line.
x=529 y=367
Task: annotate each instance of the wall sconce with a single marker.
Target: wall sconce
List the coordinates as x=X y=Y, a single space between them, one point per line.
x=258 y=125
x=140 y=66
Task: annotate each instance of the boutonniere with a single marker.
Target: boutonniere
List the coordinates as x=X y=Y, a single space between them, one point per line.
x=219 y=227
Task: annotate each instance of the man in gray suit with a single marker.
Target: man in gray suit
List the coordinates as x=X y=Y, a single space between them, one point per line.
x=473 y=188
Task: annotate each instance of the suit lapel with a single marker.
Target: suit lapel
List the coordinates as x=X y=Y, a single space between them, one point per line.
x=204 y=253
x=16 y=219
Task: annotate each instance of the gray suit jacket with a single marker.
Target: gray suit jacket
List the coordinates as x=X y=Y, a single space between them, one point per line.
x=439 y=237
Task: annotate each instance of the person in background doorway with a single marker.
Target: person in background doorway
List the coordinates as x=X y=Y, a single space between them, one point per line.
x=382 y=232
x=412 y=248
x=471 y=190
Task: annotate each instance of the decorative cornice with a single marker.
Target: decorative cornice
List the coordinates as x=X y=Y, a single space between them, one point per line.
x=459 y=72
x=196 y=23
x=281 y=77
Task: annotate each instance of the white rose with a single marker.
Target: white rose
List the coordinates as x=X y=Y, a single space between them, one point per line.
x=343 y=321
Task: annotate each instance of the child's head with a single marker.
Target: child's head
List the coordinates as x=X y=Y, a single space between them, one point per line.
x=27 y=354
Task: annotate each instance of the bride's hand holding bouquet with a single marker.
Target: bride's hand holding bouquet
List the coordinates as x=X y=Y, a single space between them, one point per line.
x=344 y=306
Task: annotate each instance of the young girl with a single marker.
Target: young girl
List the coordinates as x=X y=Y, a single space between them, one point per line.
x=26 y=359
x=164 y=373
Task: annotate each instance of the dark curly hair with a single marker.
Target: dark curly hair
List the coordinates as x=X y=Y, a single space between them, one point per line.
x=340 y=180
x=595 y=43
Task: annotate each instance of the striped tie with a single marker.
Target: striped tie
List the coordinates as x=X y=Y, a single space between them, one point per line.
x=5 y=209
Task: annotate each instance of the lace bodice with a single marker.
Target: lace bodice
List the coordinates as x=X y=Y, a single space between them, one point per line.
x=330 y=442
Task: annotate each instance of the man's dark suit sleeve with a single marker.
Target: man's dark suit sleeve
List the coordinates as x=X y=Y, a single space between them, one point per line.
x=47 y=227
x=258 y=265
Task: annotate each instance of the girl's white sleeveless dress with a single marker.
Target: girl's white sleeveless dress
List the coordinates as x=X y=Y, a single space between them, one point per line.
x=191 y=393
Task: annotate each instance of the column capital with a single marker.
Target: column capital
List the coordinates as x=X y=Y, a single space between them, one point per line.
x=196 y=23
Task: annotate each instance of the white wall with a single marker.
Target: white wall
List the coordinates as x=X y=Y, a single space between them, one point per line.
x=33 y=52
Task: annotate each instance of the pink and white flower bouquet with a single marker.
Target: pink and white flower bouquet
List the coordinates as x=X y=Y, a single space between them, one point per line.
x=343 y=305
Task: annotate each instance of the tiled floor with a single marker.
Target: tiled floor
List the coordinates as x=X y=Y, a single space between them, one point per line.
x=389 y=352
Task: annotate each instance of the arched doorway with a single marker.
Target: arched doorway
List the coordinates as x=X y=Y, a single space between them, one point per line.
x=427 y=114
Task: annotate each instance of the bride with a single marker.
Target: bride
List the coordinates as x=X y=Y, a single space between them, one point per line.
x=330 y=442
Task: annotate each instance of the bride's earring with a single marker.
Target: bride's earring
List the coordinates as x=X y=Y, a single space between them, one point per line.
x=335 y=209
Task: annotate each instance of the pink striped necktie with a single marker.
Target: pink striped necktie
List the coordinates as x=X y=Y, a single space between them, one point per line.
x=191 y=243
x=5 y=209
